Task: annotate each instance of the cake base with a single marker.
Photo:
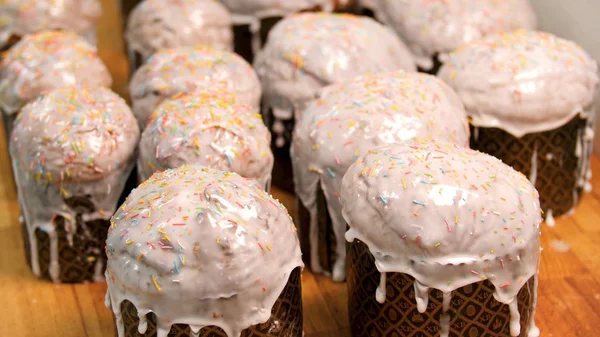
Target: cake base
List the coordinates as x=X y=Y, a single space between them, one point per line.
x=126 y=8
x=132 y=183
x=81 y=260
x=283 y=173
x=9 y=122
x=286 y=318
x=473 y=310
x=326 y=242
x=548 y=158
x=135 y=61
x=437 y=64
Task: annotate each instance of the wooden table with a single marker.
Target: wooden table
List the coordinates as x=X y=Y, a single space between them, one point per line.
x=569 y=293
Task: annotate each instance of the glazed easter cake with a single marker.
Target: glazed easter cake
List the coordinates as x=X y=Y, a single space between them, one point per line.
x=201 y=252
x=443 y=241
x=72 y=150
x=530 y=97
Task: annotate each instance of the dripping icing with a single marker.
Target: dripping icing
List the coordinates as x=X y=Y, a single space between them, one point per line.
x=380 y=293
x=534 y=165
x=445 y=317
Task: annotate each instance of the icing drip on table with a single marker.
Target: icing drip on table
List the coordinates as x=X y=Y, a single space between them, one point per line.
x=23 y=17
x=200 y=247
x=352 y=117
x=186 y=69
x=308 y=51
x=160 y=24
x=45 y=61
x=208 y=128
x=438 y=27
x=550 y=218
x=447 y=216
x=71 y=142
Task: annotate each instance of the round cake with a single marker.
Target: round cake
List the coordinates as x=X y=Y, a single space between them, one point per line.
x=185 y=69
x=22 y=17
x=213 y=261
x=530 y=96
x=347 y=121
x=159 y=24
x=433 y=215
x=208 y=128
x=72 y=150
x=45 y=61
x=308 y=51
x=432 y=29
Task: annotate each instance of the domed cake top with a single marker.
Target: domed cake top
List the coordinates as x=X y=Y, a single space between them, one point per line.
x=209 y=128
x=74 y=134
x=334 y=47
x=185 y=69
x=23 y=17
x=439 y=27
x=158 y=24
x=523 y=81
x=45 y=61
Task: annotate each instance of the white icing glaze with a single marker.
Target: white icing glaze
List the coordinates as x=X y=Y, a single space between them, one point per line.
x=23 y=17
x=45 y=61
x=533 y=330
x=71 y=142
x=445 y=318
x=200 y=247
x=585 y=146
x=351 y=118
x=439 y=27
x=308 y=51
x=445 y=215
x=185 y=69
x=206 y=128
x=522 y=82
x=534 y=165
x=159 y=24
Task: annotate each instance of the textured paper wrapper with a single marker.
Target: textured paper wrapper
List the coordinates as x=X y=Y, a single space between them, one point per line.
x=135 y=60
x=282 y=175
x=473 y=310
x=285 y=321
x=437 y=64
x=326 y=242
x=78 y=262
x=8 y=121
x=126 y=8
x=132 y=183
x=555 y=176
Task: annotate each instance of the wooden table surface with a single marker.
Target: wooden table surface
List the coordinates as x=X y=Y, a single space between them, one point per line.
x=569 y=292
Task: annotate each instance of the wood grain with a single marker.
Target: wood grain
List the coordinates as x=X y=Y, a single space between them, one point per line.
x=569 y=294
